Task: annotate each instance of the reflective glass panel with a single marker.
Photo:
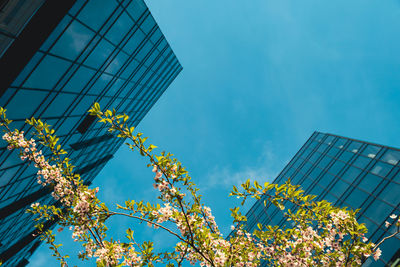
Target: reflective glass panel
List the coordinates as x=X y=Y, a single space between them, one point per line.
x=371 y=151
x=100 y=54
x=95 y=13
x=369 y=182
x=391 y=194
x=391 y=157
x=73 y=41
x=120 y=29
x=381 y=169
x=52 y=68
x=24 y=103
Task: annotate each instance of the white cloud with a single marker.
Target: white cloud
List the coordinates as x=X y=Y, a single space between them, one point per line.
x=264 y=169
x=78 y=37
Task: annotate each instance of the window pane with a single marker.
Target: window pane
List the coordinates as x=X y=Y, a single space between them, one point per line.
x=371 y=226
x=59 y=105
x=306 y=184
x=388 y=250
x=354 y=146
x=130 y=69
x=346 y=156
x=314 y=157
x=315 y=173
x=100 y=54
x=52 y=68
x=362 y=162
x=136 y=9
x=339 y=188
x=381 y=169
x=132 y=45
x=326 y=179
x=73 y=41
x=336 y=167
x=117 y=63
x=79 y=80
x=95 y=13
x=391 y=194
x=67 y=125
x=322 y=148
x=351 y=174
x=156 y=36
x=391 y=157
x=24 y=103
x=120 y=29
x=148 y=24
x=115 y=87
x=329 y=139
x=324 y=162
x=83 y=106
x=356 y=198
x=126 y=90
x=378 y=210
x=333 y=151
x=144 y=51
x=317 y=190
x=340 y=143
x=371 y=151
x=369 y=182
x=7 y=175
x=100 y=84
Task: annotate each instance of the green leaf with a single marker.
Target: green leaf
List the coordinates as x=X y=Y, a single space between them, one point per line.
x=151 y=147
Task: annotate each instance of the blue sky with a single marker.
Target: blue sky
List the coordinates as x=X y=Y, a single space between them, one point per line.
x=259 y=77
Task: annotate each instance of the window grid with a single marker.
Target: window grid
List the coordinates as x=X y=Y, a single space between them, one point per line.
x=137 y=69
x=321 y=168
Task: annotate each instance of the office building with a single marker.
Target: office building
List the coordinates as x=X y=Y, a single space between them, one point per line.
x=57 y=59
x=345 y=172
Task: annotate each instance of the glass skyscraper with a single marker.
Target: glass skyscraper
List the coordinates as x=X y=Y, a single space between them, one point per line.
x=62 y=57
x=345 y=172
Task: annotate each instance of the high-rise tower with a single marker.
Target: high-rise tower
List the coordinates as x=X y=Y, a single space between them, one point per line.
x=345 y=172
x=57 y=59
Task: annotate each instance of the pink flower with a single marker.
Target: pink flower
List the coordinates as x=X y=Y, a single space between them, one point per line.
x=154 y=168
x=377 y=253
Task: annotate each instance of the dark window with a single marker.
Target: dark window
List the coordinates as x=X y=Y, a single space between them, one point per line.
x=93 y=165
x=91 y=141
x=84 y=126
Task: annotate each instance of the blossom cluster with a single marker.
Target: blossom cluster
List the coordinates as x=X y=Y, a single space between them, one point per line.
x=321 y=241
x=166 y=189
x=393 y=217
x=47 y=174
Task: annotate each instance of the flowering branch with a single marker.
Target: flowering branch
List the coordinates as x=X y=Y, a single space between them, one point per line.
x=322 y=234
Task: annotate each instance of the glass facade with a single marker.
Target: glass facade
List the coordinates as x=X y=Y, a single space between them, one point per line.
x=106 y=51
x=345 y=172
